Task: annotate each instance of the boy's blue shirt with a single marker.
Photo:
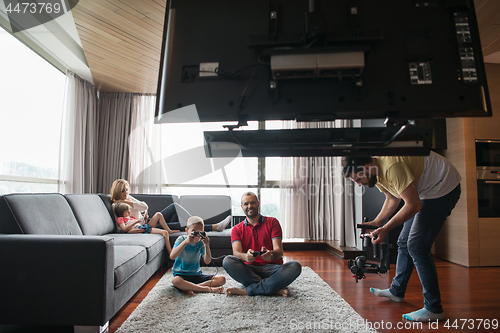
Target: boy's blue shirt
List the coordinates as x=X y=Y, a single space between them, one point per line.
x=188 y=261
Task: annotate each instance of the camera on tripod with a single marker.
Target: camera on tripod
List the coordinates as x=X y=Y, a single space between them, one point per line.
x=359 y=266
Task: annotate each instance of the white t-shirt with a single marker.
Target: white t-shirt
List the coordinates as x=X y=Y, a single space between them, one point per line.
x=139 y=207
x=439 y=178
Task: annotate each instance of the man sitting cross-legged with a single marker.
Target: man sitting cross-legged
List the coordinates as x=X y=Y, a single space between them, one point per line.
x=257 y=254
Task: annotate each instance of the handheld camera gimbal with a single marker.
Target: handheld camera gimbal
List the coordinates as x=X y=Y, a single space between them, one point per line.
x=359 y=266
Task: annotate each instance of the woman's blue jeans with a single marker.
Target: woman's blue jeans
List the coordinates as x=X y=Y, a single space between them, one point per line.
x=262 y=280
x=415 y=242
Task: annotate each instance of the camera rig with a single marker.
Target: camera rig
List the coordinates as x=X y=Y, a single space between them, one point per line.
x=201 y=234
x=359 y=266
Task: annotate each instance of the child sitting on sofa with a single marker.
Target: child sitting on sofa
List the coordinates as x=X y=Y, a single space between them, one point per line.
x=187 y=251
x=130 y=224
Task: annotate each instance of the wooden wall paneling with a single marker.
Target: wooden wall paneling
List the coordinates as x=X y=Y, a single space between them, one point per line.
x=489 y=247
x=138 y=18
x=487 y=14
x=489 y=34
x=471 y=191
x=451 y=242
x=459 y=238
x=132 y=52
x=154 y=9
x=488 y=128
x=123 y=26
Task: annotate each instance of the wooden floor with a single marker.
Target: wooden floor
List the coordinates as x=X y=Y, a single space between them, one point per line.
x=468 y=294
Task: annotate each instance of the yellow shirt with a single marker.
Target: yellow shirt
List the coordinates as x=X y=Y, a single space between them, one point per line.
x=398 y=172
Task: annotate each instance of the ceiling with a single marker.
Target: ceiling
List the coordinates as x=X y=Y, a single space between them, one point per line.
x=122 y=40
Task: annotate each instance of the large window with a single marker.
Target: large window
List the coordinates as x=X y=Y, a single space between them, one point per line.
x=183 y=143
x=32 y=92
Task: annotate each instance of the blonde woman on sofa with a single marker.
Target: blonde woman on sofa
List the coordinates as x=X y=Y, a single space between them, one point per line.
x=120 y=193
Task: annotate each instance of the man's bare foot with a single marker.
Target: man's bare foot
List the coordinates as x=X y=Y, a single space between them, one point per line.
x=282 y=292
x=217 y=290
x=173 y=231
x=235 y=291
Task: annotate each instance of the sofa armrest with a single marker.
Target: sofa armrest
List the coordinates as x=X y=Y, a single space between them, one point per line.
x=56 y=280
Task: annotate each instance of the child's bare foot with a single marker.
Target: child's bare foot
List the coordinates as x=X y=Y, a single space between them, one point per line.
x=188 y=292
x=282 y=292
x=217 y=290
x=235 y=291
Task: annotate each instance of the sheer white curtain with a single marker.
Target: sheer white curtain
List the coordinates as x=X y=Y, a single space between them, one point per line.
x=77 y=170
x=145 y=146
x=316 y=201
x=294 y=198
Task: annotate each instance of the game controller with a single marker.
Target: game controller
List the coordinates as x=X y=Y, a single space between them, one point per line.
x=258 y=253
x=366 y=226
x=201 y=234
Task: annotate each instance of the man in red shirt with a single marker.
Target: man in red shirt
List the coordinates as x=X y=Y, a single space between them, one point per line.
x=257 y=254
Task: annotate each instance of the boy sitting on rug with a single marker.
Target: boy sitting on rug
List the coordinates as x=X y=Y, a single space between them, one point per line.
x=187 y=250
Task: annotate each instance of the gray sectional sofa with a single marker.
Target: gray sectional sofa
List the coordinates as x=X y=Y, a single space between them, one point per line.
x=64 y=263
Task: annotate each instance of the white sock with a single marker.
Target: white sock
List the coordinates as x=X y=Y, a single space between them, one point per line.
x=223 y=224
x=386 y=293
x=423 y=315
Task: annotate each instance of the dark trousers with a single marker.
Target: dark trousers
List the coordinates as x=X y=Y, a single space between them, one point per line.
x=182 y=214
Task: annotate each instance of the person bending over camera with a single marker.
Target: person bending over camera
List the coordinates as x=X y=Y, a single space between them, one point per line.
x=430 y=189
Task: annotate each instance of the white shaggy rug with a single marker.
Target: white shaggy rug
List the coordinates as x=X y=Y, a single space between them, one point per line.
x=312 y=306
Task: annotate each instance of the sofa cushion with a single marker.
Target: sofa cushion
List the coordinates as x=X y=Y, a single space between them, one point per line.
x=91 y=214
x=156 y=202
x=153 y=244
x=128 y=260
x=211 y=208
x=220 y=240
x=43 y=214
x=106 y=199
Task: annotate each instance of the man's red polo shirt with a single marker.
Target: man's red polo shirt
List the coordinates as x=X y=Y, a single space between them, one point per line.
x=267 y=229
